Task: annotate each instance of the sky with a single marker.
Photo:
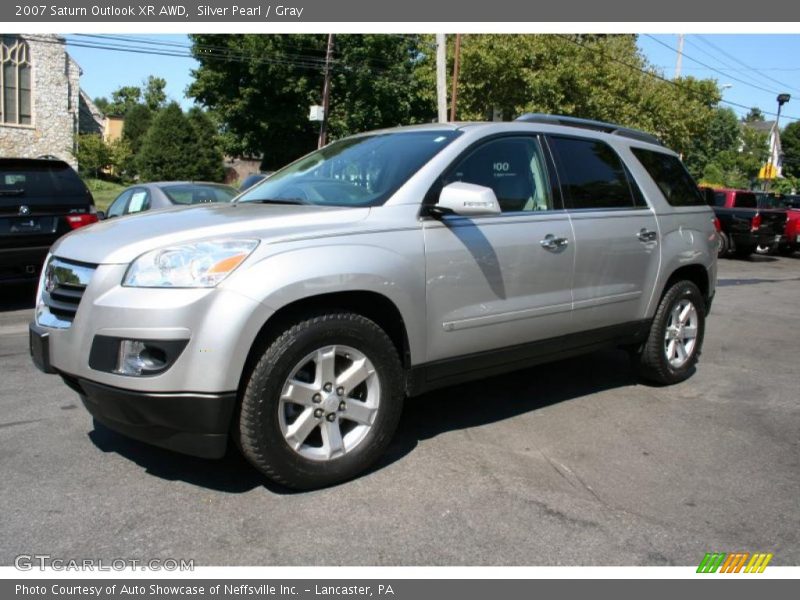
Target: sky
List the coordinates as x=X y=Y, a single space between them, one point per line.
x=753 y=68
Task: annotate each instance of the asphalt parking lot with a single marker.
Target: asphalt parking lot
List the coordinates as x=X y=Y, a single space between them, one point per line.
x=573 y=463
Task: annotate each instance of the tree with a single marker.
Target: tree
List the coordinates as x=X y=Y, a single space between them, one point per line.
x=154 y=95
x=206 y=160
x=167 y=148
x=120 y=156
x=102 y=103
x=790 y=143
x=261 y=98
x=123 y=99
x=755 y=114
x=137 y=122
x=92 y=154
x=602 y=77
x=723 y=135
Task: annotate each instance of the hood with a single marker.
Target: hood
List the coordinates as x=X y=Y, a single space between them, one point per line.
x=121 y=240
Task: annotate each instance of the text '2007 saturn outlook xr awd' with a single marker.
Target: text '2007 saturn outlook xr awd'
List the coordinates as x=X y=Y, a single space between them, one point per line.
x=296 y=319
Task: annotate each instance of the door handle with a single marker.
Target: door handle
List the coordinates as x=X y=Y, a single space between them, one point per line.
x=647 y=236
x=551 y=242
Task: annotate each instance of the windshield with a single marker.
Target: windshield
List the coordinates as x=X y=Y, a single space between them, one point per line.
x=357 y=171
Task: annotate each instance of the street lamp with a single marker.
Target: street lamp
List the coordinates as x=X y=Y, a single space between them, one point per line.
x=772 y=171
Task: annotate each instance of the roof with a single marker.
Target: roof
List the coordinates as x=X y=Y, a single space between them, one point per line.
x=766 y=126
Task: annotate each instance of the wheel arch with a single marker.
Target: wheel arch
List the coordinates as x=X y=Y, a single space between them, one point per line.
x=696 y=273
x=372 y=305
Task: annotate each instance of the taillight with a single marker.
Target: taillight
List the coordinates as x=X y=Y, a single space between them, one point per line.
x=755 y=222
x=80 y=220
x=717 y=224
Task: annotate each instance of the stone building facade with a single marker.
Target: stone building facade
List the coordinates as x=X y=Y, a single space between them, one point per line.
x=41 y=97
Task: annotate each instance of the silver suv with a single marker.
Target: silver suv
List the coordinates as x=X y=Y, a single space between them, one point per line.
x=296 y=319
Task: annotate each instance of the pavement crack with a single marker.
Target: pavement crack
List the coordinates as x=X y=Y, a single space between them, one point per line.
x=14 y=423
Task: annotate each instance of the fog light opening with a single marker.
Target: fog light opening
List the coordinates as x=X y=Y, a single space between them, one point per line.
x=136 y=358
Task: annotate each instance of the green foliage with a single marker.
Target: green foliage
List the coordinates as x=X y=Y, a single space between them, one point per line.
x=103 y=191
x=92 y=154
x=120 y=156
x=790 y=143
x=180 y=147
x=262 y=101
x=102 y=103
x=755 y=114
x=207 y=156
x=137 y=122
x=154 y=95
x=786 y=185
x=167 y=147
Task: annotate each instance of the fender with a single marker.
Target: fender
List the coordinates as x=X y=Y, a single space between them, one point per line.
x=342 y=265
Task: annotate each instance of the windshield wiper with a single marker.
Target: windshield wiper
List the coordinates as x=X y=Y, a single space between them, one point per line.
x=12 y=192
x=277 y=201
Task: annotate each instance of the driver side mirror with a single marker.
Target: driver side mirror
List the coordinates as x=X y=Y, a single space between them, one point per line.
x=466 y=200
x=101 y=215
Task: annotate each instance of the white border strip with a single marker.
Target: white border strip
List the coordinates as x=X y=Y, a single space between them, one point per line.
x=141 y=27
x=390 y=573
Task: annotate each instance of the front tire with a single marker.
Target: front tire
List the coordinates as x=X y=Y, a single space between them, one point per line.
x=676 y=336
x=323 y=401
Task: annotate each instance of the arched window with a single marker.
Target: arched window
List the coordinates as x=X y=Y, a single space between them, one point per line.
x=15 y=81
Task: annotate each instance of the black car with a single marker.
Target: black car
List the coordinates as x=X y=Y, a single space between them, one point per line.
x=40 y=200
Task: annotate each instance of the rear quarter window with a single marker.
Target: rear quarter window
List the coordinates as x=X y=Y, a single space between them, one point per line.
x=671 y=177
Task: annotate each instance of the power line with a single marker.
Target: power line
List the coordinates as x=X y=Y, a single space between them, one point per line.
x=659 y=77
x=742 y=63
x=709 y=67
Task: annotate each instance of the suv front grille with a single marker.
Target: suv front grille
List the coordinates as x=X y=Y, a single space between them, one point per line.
x=63 y=285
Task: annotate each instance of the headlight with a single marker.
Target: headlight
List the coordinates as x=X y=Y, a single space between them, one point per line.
x=201 y=264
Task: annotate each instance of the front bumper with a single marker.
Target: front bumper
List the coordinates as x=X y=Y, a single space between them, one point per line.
x=190 y=423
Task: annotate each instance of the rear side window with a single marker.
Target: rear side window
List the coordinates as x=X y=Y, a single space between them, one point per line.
x=671 y=177
x=592 y=174
x=719 y=198
x=745 y=200
x=36 y=179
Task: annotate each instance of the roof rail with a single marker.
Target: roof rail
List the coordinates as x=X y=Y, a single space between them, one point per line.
x=590 y=124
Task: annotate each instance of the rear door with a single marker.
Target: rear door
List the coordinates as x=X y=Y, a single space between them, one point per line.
x=501 y=280
x=617 y=249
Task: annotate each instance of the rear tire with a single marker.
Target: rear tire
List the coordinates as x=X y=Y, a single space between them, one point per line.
x=676 y=336
x=323 y=401
x=724 y=245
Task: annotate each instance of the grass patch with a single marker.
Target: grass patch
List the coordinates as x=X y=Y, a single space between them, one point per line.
x=103 y=191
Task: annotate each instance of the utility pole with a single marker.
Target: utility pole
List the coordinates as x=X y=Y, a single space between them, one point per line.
x=454 y=94
x=441 y=76
x=680 y=56
x=326 y=95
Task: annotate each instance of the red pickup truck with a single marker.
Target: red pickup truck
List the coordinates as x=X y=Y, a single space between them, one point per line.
x=743 y=226
x=791 y=206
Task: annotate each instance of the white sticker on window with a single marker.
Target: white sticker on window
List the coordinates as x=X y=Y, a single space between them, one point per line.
x=137 y=202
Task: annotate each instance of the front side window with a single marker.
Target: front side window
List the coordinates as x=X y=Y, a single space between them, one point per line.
x=513 y=167
x=357 y=171
x=671 y=177
x=592 y=175
x=15 y=81
x=117 y=208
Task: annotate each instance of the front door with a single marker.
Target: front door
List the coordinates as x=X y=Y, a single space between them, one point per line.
x=502 y=280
